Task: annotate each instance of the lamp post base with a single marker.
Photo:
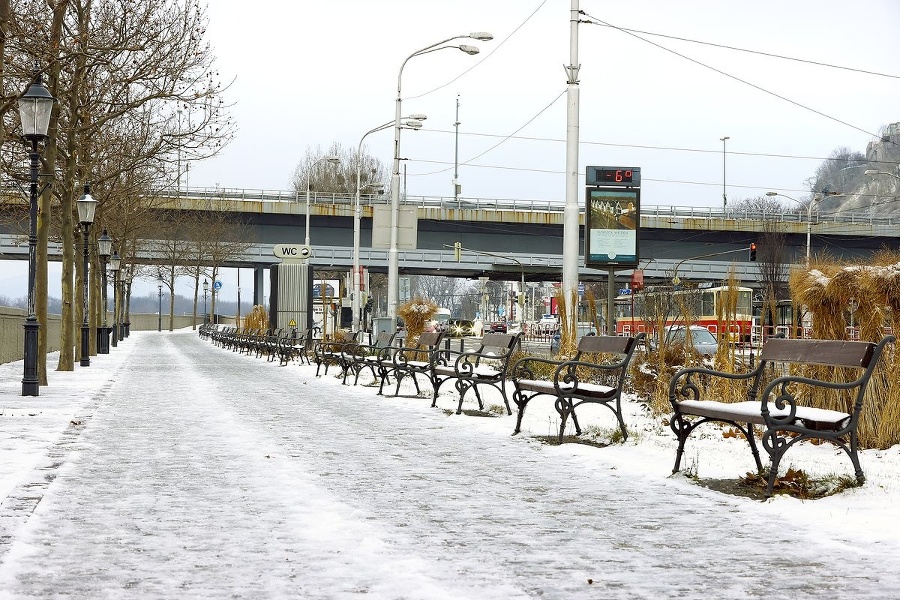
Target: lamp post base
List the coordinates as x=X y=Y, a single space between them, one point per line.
x=103 y=340
x=30 y=383
x=85 y=346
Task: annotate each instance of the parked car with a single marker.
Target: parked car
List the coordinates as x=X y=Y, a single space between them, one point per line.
x=548 y=320
x=498 y=327
x=582 y=331
x=703 y=341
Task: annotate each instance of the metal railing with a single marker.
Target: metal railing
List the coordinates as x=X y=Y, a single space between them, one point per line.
x=797 y=215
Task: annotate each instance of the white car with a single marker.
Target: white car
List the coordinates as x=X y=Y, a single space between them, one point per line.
x=704 y=342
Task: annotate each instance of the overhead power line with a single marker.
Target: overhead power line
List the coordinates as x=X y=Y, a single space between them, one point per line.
x=728 y=75
x=748 y=51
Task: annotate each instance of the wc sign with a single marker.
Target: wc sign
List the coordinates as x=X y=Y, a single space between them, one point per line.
x=292 y=252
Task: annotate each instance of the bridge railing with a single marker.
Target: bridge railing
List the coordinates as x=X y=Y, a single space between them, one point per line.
x=796 y=215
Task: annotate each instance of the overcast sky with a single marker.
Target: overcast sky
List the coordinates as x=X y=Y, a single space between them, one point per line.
x=332 y=68
x=308 y=73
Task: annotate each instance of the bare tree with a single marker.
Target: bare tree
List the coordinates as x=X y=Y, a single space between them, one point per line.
x=121 y=72
x=442 y=291
x=340 y=178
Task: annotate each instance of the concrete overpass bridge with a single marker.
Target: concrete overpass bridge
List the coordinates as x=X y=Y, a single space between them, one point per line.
x=521 y=238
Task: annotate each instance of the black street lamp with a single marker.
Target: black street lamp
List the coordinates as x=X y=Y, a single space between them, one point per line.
x=115 y=264
x=87 y=206
x=159 y=322
x=125 y=324
x=35 y=108
x=104 y=248
x=205 y=292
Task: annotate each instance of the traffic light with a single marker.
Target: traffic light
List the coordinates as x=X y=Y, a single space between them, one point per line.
x=457 y=250
x=752 y=252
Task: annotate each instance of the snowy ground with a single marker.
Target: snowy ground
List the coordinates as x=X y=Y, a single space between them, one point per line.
x=171 y=468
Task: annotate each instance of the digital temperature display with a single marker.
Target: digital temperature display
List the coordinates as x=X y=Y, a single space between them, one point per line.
x=613 y=176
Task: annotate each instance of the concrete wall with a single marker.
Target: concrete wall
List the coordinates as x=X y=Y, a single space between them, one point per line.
x=12 y=333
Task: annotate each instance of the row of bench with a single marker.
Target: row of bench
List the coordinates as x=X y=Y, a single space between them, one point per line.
x=282 y=344
x=778 y=400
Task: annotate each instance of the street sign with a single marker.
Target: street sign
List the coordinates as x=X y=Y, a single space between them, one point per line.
x=292 y=252
x=217 y=285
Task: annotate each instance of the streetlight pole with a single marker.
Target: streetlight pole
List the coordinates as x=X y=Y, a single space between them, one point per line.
x=115 y=264
x=159 y=321
x=205 y=292
x=104 y=247
x=330 y=159
x=35 y=108
x=393 y=252
x=411 y=122
x=724 y=195
x=178 y=161
x=86 y=208
x=456 y=186
x=814 y=202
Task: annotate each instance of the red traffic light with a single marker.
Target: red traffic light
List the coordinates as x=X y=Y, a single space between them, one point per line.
x=752 y=251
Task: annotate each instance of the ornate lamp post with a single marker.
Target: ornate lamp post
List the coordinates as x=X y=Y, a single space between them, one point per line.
x=35 y=108
x=87 y=206
x=104 y=248
x=115 y=264
x=205 y=292
x=126 y=309
x=159 y=321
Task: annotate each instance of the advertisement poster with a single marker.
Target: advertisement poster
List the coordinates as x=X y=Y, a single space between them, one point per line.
x=612 y=220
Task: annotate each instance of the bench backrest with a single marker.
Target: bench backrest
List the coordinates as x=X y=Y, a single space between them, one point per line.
x=837 y=353
x=606 y=344
x=429 y=340
x=384 y=339
x=499 y=343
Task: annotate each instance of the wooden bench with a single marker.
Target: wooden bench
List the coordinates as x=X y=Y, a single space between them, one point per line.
x=368 y=356
x=485 y=366
x=416 y=359
x=296 y=346
x=783 y=407
x=577 y=381
x=332 y=352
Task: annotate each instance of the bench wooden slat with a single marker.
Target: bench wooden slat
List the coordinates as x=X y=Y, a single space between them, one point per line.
x=836 y=353
x=573 y=382
x=778 y=409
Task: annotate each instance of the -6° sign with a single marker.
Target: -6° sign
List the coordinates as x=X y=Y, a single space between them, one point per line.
x=292 y=252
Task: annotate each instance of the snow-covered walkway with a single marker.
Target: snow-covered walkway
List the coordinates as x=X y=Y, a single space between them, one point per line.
x=174 y=469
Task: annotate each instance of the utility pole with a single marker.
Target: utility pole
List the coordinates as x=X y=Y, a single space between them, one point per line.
x=724 y=196
x=573 y=198
x=456 y=186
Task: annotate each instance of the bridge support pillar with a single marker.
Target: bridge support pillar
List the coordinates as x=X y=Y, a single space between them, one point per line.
x=259 y=292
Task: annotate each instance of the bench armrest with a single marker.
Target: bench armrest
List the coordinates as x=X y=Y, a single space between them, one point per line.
x=779 y=395
x=400 y=355
x=570 y=373
x=466 y=362
x=688 y=389
x=524 y=367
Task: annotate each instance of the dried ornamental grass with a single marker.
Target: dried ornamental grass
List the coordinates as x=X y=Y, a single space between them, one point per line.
x=827 y=291
x=257 y=319
x=567 y=322
x=415 y=314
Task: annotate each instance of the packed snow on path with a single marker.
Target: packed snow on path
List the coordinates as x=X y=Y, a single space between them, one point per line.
x=172 y=468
